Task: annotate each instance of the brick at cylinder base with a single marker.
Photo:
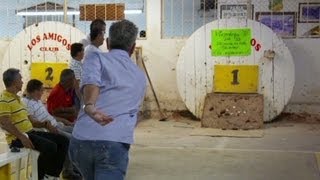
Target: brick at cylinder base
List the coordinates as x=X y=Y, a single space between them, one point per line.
x=233 y=111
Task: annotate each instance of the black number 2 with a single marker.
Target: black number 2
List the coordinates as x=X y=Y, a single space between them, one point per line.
x=235 y=80
x=49 y=76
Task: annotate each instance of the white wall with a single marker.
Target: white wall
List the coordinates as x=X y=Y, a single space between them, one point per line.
x=161 y=56
x=306 y=93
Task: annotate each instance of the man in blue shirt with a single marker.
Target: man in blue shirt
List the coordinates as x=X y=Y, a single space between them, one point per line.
x=113 y=88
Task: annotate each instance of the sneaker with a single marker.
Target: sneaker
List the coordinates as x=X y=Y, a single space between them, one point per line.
x=48 y=177
x=71 y=175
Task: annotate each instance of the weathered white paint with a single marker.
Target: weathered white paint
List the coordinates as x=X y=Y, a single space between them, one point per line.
x=21 y=53
x=195 y=66
x=161 y=56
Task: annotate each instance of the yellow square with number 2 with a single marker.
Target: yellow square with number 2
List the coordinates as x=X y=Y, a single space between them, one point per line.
x=47 y=73
x=236 y=78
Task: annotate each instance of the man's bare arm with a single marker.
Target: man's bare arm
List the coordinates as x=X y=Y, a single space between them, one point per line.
x=65 y=112
x=36 y=123
x=46 y=124
x=7 y=125
x=63 y=120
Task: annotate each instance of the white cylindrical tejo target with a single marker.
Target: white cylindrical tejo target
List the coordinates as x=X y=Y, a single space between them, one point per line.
x=44 y=42
x=195 y=66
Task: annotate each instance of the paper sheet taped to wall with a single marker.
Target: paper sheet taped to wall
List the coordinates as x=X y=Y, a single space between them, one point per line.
x=231 y=42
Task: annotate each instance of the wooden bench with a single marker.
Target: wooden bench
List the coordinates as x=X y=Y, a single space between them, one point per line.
x=16 y=157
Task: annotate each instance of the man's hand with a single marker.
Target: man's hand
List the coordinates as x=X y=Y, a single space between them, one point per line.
x=26 y=142
x=51 y=128
x=100 y=117
x=68 y=123
x=6 y=124
x=64 y=121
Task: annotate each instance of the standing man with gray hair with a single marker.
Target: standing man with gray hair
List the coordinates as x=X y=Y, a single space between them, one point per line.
x=113 y=88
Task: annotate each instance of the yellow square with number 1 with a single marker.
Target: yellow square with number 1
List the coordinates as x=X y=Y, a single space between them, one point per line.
x=236 y=78
x=47 y=73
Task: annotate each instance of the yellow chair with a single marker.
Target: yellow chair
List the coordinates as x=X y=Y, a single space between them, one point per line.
x=7 y=158
x=5 y=172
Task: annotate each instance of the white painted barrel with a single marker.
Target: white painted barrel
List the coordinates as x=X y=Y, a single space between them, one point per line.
x=195 y=66
x=44 y=42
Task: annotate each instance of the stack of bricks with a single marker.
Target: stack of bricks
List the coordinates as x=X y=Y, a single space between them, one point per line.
x=233 y=111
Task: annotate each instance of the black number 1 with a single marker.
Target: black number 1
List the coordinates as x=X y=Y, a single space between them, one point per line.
x=235 y=80
x=49 y=76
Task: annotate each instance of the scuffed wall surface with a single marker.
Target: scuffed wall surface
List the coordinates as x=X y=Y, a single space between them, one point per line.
x=306 y=92
x=307 y=69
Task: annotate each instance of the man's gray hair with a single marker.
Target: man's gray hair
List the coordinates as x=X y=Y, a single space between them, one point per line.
x=66 y=75
x=9 y=76
x=122 y=35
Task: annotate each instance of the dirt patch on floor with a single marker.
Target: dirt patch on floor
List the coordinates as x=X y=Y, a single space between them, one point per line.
x=310 y=121
x=298 y=118
x=184 y=114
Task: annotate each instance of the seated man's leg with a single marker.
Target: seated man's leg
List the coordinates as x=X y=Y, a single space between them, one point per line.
x=51 y=159
x=64 y=128
x=69 y=170
x=66 y=134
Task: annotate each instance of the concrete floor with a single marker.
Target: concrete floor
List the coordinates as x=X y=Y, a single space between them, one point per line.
x=166 y=151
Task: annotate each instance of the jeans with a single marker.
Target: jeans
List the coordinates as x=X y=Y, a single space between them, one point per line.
x=100 y=160
x=53 y=149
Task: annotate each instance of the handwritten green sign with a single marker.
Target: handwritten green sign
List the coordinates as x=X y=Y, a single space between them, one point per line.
x=231 y=42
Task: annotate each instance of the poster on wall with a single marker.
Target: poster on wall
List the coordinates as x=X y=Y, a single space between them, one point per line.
x=231 y=42
x=309 y=12
x=235 y=10
x=282 y=23
x=275 y=5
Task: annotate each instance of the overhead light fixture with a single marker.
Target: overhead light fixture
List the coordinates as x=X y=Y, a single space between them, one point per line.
x=133 y=11
x=46 y=13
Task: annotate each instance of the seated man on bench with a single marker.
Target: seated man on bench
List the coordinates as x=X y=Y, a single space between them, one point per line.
x=63 y=101
x=38 y=110
x=15 y=120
